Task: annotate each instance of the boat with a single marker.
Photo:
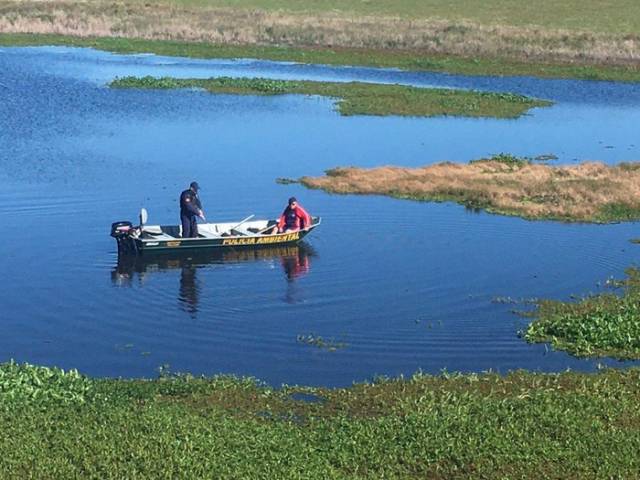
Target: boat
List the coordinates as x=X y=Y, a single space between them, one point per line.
x=247 y=233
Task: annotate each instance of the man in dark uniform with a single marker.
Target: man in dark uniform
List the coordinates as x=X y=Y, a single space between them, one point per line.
x=190 y=208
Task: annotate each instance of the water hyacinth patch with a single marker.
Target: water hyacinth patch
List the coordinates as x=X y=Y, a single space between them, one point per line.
x=598 y=325
x=451 y=426
x=30 y=383
x=359 y=98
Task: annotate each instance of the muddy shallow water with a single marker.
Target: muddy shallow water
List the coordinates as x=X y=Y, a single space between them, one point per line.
x=404 y=285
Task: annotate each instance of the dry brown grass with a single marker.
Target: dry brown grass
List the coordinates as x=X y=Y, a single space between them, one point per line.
x=590 y=192
x=238 y=26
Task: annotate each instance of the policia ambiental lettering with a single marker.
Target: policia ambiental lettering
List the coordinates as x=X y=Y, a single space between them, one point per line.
x=289 y=237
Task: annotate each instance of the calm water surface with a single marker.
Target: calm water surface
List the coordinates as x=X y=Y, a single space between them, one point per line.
x=405 y=285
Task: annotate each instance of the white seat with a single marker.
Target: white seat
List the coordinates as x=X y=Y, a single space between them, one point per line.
x=159 y=236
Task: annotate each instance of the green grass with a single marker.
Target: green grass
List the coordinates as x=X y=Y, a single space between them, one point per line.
x=618 y=212
x=388 y=58
x=356 y=98
x=512 y=161
x=613 y=16
x=521 y=425
x=599 y=325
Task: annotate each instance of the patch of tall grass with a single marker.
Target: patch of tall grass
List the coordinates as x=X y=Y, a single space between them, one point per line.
x=504 y=184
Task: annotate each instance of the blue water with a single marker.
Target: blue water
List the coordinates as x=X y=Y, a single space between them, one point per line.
x=404 y=285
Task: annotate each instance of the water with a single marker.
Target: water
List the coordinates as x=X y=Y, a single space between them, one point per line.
x=404 y=285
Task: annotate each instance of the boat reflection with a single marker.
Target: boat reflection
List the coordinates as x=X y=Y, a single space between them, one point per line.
x=134 y=270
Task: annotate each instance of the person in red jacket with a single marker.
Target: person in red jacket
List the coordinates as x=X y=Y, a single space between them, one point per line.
x=293 y=218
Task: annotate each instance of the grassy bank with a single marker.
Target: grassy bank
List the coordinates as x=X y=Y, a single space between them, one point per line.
x=508 y=37
x=382 y=58
x=523 y=425
x=600 y=325
x=507 y=185
x=357 y=98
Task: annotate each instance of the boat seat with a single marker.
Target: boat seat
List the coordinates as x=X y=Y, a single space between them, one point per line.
x=157 y=236
x=156 y=233
x=207 y=232
x=241 y=230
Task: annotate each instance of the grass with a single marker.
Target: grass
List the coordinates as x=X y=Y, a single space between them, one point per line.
x=372 y=57
x=506 y=185
x=356 y=98
x=522 y=425
x=599 y=325
x=613 y=16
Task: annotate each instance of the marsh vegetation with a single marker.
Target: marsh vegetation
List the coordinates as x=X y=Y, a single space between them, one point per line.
x=504 y=184
x=357 y=98
x=600 y=325
x=60 y=424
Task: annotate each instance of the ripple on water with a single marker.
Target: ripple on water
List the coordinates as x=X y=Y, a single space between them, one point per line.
x=406 y=285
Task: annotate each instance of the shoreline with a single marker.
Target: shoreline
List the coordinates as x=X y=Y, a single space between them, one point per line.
x=359 y=57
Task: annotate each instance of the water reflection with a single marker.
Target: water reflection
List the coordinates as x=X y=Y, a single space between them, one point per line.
x=189 y=289
x=135 y=270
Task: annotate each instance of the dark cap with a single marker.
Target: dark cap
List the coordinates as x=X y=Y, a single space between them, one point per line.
x=292 y=200
x=194 y=186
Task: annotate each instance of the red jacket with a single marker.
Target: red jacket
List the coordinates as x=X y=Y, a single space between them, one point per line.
x=294 y=218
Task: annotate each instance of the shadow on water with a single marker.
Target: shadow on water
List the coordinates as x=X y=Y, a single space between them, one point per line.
x=130 y=269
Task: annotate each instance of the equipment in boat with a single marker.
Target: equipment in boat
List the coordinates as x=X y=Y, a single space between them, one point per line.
x=247 y=233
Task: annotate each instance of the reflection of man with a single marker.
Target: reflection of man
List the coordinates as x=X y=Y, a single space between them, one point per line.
x=189 y=289
x=296 y=265
x=190 y=209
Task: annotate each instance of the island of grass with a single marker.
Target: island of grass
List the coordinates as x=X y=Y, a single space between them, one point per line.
x=596 y=326
x=506 y=185
x=58 y=424
x=580 y=39
x=357 y=98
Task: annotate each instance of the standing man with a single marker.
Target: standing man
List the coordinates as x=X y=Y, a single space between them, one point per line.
x=190 y=208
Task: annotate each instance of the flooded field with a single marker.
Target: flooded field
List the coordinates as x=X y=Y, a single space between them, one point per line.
x=398 y=285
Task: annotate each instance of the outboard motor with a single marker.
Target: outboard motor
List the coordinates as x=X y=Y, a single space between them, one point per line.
x=121 y=229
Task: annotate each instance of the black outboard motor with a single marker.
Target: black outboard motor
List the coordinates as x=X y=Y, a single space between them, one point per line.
x=121 y=232
x=121 y=229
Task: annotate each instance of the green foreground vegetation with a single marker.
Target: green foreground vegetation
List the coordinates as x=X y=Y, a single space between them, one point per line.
x=60 y=424
x=357 y=98
x=599 y=325
x=381 y=58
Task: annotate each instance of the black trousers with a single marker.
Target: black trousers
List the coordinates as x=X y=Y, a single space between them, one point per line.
x=189 y=226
